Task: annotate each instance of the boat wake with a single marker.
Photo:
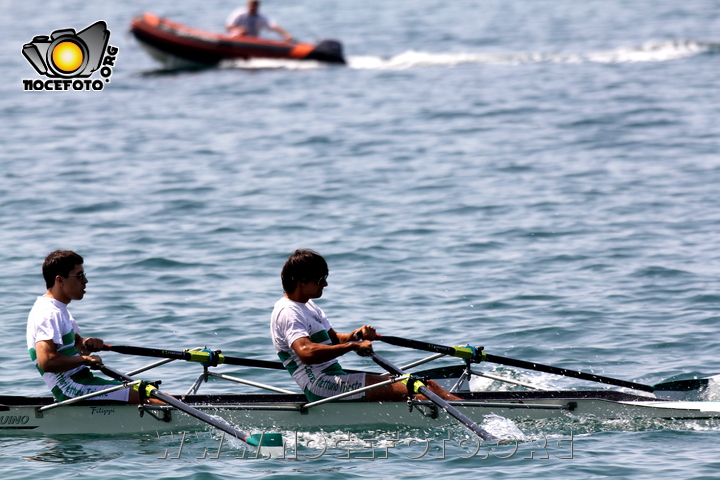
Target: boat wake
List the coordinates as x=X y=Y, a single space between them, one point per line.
x=534 y=380
x=653 y=51
x=453 y=440
x=273 y=64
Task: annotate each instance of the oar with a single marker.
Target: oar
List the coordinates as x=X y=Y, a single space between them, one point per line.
x=689 y=385
x=206 y=357
x=272 y=443
x=477 y=355
x=430 y=395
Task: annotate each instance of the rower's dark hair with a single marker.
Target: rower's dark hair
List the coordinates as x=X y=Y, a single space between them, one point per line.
x=303 y=266
x=59 y=262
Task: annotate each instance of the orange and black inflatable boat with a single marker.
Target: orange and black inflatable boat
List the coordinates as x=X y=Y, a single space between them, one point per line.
x=176 y=45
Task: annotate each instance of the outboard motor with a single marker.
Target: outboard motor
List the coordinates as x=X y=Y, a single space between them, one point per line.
x=328 y=51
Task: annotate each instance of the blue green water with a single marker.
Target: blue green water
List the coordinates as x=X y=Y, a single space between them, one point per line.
x=536 y=177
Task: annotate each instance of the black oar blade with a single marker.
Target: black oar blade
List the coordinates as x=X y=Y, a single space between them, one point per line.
x=693 y=389
x=683 y=385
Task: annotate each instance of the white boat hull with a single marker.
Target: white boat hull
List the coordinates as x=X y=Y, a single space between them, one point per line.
x=21 y=415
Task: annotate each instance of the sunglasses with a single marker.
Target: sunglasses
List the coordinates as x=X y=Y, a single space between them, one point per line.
x=322 y=279
x=80 y=276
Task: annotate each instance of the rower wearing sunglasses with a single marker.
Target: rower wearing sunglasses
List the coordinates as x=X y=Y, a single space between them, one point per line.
x=308 y=346
x=60 y=353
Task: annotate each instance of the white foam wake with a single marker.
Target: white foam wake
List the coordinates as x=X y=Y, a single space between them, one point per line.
x=654 y=51
x=272 y=64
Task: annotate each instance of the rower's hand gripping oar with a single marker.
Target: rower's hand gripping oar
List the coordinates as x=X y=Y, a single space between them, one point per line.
x=477 y=355
x=270 y=444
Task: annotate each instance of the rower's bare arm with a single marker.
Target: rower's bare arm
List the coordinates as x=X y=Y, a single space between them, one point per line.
x=311 y=353
x=50 y=360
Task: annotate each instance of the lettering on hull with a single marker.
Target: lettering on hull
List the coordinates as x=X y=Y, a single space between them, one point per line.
x=15 y=421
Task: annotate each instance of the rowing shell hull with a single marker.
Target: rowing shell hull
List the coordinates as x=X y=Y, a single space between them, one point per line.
x=179 y=46
x=21 y=415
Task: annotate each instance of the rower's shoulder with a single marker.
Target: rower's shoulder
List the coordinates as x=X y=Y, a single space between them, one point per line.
x=285 y=302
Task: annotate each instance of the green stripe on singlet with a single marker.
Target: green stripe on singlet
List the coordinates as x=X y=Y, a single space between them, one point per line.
x=33 y=357
x=69 y=338
x=58 y=394
x=69 y=351
x=68 y=345
x=320 y=337
x=291 y=366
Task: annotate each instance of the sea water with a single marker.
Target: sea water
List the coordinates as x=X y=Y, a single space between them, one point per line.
x=537 y=177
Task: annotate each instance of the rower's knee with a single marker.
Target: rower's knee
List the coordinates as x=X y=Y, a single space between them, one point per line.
x=437 y=389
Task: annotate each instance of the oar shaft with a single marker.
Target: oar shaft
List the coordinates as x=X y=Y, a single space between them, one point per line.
x=565 y=372
x=455 y=413
x=199 y=415
x=154 y=392
x=193 y=356
x=477 y=355
x=148 y=352
x=462 y=352
x=433 y=397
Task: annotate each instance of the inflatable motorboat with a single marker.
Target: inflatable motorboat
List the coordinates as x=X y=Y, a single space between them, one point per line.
x=176 y=45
